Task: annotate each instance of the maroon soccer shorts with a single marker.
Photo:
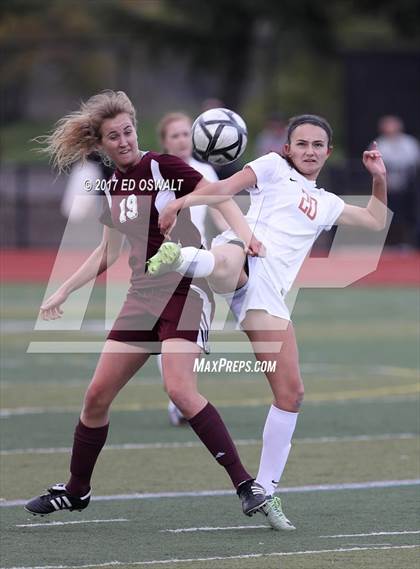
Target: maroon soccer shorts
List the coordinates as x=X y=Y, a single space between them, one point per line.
x=147 y=318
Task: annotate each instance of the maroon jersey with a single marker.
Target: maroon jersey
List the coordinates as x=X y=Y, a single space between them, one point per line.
x=132 y=206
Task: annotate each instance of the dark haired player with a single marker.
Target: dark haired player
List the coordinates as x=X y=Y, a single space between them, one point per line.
x=287 y=213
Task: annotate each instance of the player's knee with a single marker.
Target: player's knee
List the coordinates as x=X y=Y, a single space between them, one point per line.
x=226 y=266
x=291 y=397
x=176 y=395
x=296 y=392
x=299 y=395
x=180 y=394
x=172 y=388
x=220 y=269
x=96 y=401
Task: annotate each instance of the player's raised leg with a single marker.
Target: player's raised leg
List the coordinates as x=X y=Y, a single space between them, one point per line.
x=178 y=358
x=287 y=387
x=113 y=371
x=222 y=266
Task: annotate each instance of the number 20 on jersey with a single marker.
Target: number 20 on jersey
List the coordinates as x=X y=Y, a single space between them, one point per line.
x=308 y=205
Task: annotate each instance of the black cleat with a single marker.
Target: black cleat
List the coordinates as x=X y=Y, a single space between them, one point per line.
x=252 y=496
x=57 y=499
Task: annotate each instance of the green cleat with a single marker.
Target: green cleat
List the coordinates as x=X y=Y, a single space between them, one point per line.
x=275 y=516
x=168 y=258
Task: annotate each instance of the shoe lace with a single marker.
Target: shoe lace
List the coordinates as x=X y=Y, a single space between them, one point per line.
x=56 y=488
x=276 y=506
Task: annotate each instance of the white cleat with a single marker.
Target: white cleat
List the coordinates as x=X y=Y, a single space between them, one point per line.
x=275 y=516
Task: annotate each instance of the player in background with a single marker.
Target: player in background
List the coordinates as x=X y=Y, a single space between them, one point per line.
x=151 y=317
x=174 y=133
x=287 y=213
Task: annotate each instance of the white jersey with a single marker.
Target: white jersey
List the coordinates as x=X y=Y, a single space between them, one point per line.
x=199 y=212
x=287 y=214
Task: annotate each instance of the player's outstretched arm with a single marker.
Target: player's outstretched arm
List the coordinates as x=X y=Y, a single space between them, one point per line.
x=374 y=215
x=236 y=220
x=101 y=258
x=207 y=194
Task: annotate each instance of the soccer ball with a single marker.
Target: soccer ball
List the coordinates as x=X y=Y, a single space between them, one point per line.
x=219 y=136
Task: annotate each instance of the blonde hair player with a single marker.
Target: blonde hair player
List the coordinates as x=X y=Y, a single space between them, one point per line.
x=154 y=310
x=287 y=213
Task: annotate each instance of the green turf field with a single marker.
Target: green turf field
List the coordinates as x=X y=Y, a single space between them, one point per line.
x=350 y=486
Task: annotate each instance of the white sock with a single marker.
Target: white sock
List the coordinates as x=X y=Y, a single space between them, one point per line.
x=196 y=262
x=277 y=435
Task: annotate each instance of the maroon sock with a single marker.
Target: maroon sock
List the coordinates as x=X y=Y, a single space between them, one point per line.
x=209 y=426
x=88 y=443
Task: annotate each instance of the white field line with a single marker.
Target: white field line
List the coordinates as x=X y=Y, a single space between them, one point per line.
x=16 y=411
x=365 y=544
x=205 y=528
x=197 y=444
x=387 y=394
x=228 y=528
x=372 y=533
x=218 y=558
x=207 y=493
x=51 y=524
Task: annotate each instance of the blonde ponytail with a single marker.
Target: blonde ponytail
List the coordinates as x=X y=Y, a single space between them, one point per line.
x=78 y=134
